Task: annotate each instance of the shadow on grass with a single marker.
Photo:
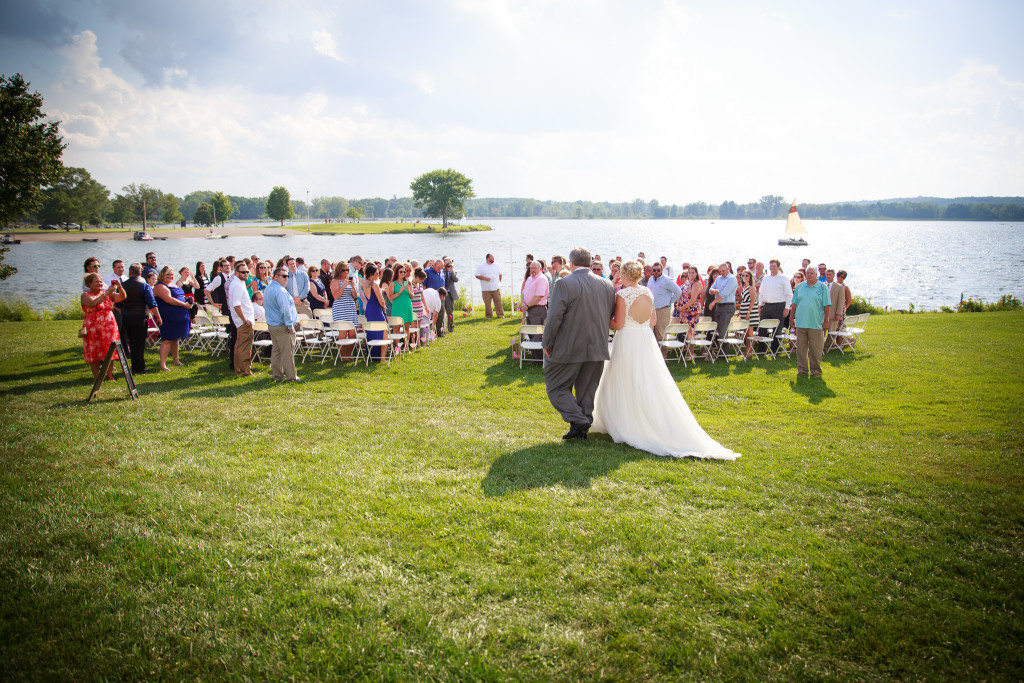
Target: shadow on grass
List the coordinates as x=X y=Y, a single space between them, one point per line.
x=814 y=388
x=572 y=464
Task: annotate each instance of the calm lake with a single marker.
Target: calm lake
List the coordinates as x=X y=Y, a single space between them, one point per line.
x=892 y=263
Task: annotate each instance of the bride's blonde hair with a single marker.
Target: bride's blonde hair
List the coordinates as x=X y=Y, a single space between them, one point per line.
x=631 y=270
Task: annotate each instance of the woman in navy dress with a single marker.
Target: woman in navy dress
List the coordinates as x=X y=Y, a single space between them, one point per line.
x=174 y=316
x=375 y=306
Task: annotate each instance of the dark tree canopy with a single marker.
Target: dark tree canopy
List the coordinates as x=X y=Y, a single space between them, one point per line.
x=203 y=215
x=442 y=193
x=30 y=150
x=75 y=198
x=279 y=205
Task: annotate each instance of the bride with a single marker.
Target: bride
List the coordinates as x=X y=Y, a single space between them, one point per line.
x=637 y=401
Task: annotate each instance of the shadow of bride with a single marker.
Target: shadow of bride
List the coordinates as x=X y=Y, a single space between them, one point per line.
x=572 y=465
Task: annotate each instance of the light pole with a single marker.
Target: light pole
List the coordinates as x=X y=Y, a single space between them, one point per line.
x=307 y=209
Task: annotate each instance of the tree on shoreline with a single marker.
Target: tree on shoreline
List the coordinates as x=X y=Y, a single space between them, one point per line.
x=442 y=193
x=75 y=198
x=279 y=205
x=30 y=150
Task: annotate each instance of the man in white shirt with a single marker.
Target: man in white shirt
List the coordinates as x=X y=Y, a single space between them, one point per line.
x=242 y=315
x=118 y=273
x=432 y=309
x=774 y=298
x=489 y=275
x=257 y=307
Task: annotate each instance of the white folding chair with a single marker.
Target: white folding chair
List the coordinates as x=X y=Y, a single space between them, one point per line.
x=734 y=344
x=528 y=346
x=764 y=335
x=352 y=344
x=313 y=340
x=385 y=344
x=259 y=343
x=400 y=338
x=220 y=334
x=703 y=341
x=672 y=344
x=857 y=329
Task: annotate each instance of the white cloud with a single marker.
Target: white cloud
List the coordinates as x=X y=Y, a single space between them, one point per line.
x=323 y=42
x=425 y=83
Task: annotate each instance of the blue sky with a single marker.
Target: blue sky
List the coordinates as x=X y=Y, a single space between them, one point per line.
x=577 y=99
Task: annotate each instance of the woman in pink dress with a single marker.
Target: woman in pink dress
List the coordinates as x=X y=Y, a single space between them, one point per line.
x=691 y=301
x=100 y=325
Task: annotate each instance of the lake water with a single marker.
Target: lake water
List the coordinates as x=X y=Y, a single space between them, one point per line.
x=892 y=263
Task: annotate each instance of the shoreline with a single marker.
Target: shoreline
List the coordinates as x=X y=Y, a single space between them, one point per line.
x=157 y=233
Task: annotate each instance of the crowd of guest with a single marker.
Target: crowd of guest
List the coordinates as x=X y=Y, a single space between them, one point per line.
x=811 y=299
x=145 y=303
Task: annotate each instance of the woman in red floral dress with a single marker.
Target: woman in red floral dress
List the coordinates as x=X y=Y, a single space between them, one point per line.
x=100 y=325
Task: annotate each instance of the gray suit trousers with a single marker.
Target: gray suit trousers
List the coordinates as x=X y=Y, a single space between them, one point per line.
x=562 y=380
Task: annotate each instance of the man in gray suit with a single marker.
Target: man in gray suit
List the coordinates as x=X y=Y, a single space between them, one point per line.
x=576 y=342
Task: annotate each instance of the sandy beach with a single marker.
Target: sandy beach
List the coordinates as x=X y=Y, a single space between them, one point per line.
x=157 y=233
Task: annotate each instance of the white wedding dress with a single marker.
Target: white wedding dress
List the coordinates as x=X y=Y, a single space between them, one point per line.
x=638 y=402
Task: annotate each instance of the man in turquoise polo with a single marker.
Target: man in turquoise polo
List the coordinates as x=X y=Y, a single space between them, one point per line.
x=812 y=304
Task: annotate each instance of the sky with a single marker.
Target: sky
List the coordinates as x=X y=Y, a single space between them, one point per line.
x=601 y=100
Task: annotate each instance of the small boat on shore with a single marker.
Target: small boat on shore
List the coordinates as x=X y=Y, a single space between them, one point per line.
x=8 y=239
x=90 y=239
x=274 y=234
x=142 y=236
x=325 y=234
x=794 y=226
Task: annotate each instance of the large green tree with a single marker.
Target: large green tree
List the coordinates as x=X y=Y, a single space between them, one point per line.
x=203 y=215
x=442 y=193
x=279 y=205
x=75 y=198
x=223 y=208
x=171 y=212
x=30 y=150
x=139 y=202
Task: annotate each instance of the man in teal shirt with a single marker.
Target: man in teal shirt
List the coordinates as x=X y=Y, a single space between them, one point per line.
x=812 y=304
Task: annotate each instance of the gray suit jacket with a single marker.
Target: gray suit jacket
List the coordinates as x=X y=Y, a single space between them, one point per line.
x=579 y=309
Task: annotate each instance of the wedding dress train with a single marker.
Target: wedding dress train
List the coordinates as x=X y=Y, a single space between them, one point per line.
x=638 y=402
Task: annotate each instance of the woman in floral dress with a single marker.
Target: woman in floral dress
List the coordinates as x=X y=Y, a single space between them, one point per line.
x=691 y=304
x=100 y=325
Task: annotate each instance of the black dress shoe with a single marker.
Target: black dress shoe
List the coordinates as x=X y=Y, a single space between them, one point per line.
x=577 y=432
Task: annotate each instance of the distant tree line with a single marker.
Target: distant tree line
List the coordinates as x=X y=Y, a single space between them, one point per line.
x=77 y=198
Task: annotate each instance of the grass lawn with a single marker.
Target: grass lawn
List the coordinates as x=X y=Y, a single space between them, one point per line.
x=380 y=228
x=425 y=521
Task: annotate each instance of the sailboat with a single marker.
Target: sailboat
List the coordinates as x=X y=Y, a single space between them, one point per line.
x=793 y=227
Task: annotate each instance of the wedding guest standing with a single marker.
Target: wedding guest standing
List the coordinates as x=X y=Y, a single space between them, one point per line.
x=724 y=303
x=775 y=295
x=99 y=324
x=450 y=280
x=691 y=298
x=489 y=275
x=666 y=292
x=242 y=315
x=281 y=316
x=174 y=314
x=811 y=301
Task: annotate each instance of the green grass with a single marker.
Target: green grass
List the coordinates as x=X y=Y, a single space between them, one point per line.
x=425 y=521
x=381 y=228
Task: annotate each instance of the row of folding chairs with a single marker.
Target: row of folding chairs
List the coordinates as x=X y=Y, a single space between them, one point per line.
x=767 y=341
x=316 y=337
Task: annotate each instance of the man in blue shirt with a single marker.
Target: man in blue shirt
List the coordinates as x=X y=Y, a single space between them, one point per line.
x=724 y=304
x=298 y=286
x=435 y=278
x=811 y=304
x=281 y=316
x=665 y=292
